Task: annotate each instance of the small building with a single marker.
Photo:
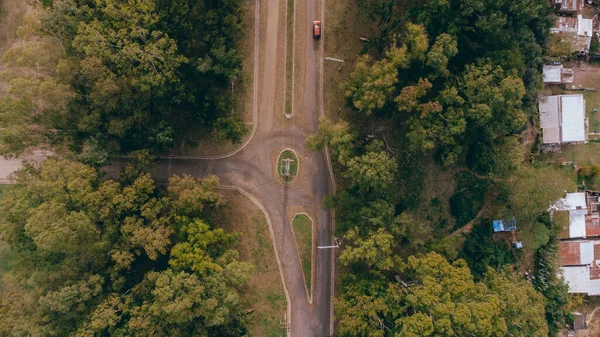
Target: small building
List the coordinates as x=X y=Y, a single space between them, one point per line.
x=579 y=248
x=562 y=118
x=504 y=226
x=575 y=204
x=579 y=28
x=557 y=74
x=579 y=321
x=580 y=266
x=568 y=6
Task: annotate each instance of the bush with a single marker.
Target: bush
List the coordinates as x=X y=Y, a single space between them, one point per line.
x=468 y=197
x=480 y=251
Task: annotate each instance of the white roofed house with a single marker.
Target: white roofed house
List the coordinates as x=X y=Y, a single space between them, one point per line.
x=579 y=248
x=557 y=74
x=562 y=119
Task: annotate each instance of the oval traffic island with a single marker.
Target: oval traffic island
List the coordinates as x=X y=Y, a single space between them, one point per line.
x=287 y=165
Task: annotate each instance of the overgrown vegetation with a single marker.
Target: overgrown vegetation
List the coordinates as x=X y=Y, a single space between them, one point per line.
x=481 y=252
x=106 y=77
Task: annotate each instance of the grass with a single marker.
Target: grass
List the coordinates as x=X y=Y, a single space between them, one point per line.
x=281 y=166
x=580 y=154
x=592 y=100
x=264 y=291
x=302 y=226
x=289 y=57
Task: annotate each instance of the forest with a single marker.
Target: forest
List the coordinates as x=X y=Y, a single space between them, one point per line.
x=104 y=78
x=451 y=85
x=87 y=256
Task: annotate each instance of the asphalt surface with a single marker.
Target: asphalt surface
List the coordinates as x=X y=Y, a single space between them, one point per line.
x=252 y=168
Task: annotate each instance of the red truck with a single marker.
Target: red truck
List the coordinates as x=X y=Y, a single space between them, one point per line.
x=316 y=29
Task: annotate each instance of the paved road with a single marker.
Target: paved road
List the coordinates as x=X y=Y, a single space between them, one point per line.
x=252 y=170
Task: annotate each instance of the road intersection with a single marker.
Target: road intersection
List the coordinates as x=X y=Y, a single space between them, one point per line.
x=251 y=169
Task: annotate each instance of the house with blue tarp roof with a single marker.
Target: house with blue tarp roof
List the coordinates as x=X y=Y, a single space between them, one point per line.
x=504 y=226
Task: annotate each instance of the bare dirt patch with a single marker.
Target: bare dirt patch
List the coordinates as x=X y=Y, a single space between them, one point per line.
x=11 y=16
x=264 y=292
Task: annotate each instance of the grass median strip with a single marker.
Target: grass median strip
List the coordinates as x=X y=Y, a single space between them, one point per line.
x=302 y=226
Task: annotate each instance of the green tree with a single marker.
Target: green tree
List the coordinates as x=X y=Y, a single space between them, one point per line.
x=370 y=85
x=373 y=171
x=124 y=258
x=336 y=136
x=439 y=55
x=375 y=251
x=416 y=42
x=432 y=297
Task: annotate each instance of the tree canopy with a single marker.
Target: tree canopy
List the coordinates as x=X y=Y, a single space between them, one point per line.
x=428 y=296
x=116 y=77
x=113 y=257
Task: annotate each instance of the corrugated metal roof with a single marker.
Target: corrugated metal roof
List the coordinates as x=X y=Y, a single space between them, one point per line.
x=573 y=118
x=577 y=277
x=552 y=74
x=569 y=253
x=551 y=135
x=549 y=111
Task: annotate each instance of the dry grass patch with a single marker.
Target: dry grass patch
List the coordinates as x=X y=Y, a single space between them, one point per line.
x=343 y=25
x=264 y=292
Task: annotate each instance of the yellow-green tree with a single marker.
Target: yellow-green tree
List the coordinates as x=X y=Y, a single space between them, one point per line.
x=428 y=296
x=116 y=257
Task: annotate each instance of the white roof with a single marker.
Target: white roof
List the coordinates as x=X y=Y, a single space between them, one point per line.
x=549 y=111
x=571 y=202
x=576 y=200
x=577 y=225
x=586 y=252
x=552 y=73
x=584 y=26
x=593 y=287
x=573 y=118
x=577 y=277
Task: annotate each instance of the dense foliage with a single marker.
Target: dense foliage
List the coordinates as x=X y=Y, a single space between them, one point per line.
x=481 y=252
x=427 y=296
x=119 y=76
x=468 y=197
x=455 y=81
x=88 y=257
